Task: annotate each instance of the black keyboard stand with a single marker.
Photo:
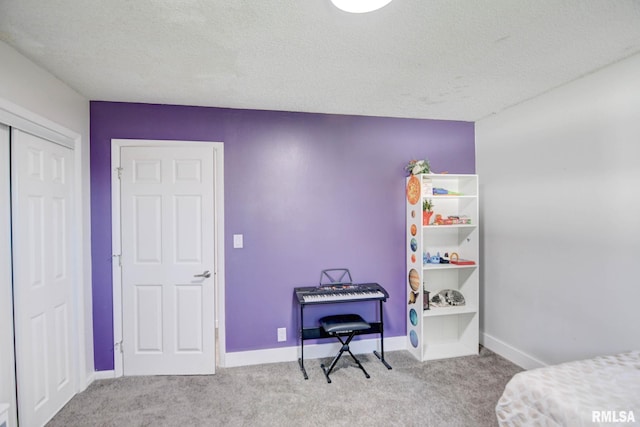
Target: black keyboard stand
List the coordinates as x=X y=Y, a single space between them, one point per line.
x=316 y=332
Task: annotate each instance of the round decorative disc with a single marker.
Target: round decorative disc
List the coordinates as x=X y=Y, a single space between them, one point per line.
x=413 y=190
x=414 y=279
x=413 y=337
x=413 y=316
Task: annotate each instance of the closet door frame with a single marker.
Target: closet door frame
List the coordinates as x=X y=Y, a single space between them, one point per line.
x=17 y=117
x=7 y=362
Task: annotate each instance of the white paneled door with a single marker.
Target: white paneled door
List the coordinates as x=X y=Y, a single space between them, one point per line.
x=167 y=243
x=42 y=188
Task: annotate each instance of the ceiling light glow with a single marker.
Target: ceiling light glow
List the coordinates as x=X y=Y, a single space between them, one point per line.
x=360 y=6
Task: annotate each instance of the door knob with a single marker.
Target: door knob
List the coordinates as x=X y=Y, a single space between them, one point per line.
x=206 y=274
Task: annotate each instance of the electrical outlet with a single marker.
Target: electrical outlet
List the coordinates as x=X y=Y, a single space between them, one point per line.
x=282 y=334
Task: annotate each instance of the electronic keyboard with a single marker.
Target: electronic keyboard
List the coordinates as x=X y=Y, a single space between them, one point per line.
x=343 y=292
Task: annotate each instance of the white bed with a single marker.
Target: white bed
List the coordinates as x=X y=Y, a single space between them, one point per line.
x=601 y=391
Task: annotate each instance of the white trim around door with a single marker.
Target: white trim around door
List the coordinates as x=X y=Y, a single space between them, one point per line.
x=116 y=145
x=7 y=362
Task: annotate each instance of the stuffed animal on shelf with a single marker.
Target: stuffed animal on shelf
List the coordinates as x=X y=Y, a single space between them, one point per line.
x=447 y=298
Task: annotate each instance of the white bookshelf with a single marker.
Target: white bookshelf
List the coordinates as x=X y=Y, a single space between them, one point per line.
x=442 y=332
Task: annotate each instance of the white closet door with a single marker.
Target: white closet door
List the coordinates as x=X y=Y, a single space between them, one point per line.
x=42 y=188
x=167 y=220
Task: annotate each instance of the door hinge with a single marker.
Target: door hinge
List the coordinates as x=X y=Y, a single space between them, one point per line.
x=119 y=256
x=117 y=347
x=119 y=170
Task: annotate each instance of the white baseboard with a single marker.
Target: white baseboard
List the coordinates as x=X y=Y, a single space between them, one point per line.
x=510 y=353
x=88 y=379
x=317 y=351
x=104 y=375
x=312 y=351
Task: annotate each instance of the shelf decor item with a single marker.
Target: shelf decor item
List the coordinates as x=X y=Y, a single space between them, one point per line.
x=416 y=167
x=446 y=298
x=413 y=190
x=455 y=259
x=427 y=211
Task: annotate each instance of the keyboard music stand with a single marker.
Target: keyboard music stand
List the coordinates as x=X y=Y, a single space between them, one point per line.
x=335 y=276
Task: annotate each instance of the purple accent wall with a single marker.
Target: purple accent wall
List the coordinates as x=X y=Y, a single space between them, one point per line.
x=307 y=191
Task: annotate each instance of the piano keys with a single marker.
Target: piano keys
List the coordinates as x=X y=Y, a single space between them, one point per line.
x=341 y=293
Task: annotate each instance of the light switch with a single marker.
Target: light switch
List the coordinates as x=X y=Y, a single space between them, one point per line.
x=237 y=241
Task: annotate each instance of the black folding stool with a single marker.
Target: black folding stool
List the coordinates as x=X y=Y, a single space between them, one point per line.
x=341 y=325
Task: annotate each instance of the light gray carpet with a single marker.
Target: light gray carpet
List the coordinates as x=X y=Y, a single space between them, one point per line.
x=452 y=392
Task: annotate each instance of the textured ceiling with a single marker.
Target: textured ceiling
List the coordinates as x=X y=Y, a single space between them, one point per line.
x=441 y=59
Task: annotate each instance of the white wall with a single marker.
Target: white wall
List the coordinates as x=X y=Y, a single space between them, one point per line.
x=27 y=87
x=560 y=182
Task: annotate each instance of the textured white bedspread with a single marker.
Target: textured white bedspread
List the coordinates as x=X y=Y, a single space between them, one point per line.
x=600 y=391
